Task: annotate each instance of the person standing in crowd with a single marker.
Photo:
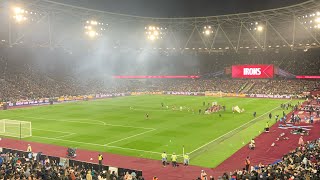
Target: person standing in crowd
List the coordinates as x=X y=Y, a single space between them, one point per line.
x=186 y=159
x=100 y=158
x=247 y=163
x=164 y=159
x=203 y=175
x=174 y=160
x=89 y=176
x=29 y=148
x=301 y=142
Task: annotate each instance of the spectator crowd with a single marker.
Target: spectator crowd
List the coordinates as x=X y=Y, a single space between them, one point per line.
x=15 y=166
x=301 y=163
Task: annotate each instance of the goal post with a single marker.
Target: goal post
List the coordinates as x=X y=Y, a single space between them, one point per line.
x=15 y=128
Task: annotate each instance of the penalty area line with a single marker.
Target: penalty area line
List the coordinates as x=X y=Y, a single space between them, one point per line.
x=64 y=132
x=138 y=150
x=70 y=134
x=129 y=137
x=84 y=121
x=100 y=145
x=77 y=142
x=233 y=130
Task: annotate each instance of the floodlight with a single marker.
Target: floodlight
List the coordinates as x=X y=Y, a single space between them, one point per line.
x=317 y=19
x=92 y=34
x=19 y=18
x=18 y=14
x=18 y=10
x=152 y=37
x=259 y=28
x=207 y=30
x=154 y=32
x=93 y=28
x=94 y=23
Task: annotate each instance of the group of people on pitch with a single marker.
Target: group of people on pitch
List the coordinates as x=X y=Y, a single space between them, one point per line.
x=174 y=157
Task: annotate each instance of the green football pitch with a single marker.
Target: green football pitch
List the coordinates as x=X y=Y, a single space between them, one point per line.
x=118 y=125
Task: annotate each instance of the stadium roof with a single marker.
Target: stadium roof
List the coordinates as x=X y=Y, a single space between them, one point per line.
x=295 y=26
x=180 y=8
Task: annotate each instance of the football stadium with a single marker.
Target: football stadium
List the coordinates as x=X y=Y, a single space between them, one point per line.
x=170 y=90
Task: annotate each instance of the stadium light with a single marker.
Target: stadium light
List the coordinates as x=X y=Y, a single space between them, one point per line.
x=19 y=14
x=94 y=28
x=154 y=33
x=260 y=28
x=207 y=30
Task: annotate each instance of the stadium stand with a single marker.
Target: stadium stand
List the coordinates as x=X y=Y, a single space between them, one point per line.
x=27 y=165
x=301 y=163
x=29 y=72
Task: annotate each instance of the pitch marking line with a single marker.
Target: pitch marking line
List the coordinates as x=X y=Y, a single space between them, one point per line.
x=114 y=147
x=233 y=130
x=138 y=150
x=77 y=121
x=101 y=145
x=71 y=121
x=70 y=134
x=77 y=142
x=64 y=132
x=129 y=137
x=135 y=127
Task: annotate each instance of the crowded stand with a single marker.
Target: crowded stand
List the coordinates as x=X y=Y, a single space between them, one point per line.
x=120 y=95
x=301 y=163
x=34 y=79
x=26 y=86
x=20 y=166
x=37 y=78
x=30 y=83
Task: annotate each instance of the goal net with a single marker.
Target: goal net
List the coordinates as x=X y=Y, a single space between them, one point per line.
x=15 y=128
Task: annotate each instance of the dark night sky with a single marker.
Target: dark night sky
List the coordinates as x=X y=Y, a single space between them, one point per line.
x=180 y=8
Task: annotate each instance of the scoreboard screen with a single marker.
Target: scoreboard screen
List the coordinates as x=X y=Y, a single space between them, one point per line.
x=263 y=71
